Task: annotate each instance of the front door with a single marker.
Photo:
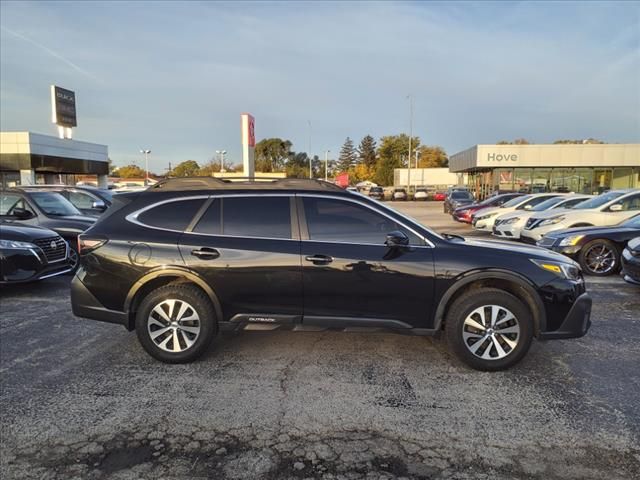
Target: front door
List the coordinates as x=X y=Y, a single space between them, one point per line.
x=351 y=277
x=247 y=249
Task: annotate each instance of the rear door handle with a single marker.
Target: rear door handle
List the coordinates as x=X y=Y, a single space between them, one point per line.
x=319 y=259
x=206 y=253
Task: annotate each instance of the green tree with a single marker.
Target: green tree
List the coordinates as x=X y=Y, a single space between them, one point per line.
x=272 y=154
x=130 y=171
x=517 y=141
x=188 y=168
x=367 y=151
x=348 y=156
x=213 y=166
x=587 y=141
x=392 y=153
x=432 y=156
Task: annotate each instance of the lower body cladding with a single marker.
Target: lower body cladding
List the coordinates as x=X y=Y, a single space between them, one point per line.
x=630 y=267
x=512 y=233
x=567 y=311
x=26 y=265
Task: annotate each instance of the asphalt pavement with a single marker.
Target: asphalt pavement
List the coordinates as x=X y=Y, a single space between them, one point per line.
x=81 y=399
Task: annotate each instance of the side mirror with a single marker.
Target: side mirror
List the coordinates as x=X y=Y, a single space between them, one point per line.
x=528 y=207
x=99 y=205
x=615 y=208
x=22 y=214
x=396 y=239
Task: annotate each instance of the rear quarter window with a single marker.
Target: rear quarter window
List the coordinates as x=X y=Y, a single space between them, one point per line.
x=174 y=215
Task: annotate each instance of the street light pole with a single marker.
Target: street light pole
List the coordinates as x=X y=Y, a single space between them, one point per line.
x=326 y=165
x=222 y=153
x=309 y=150
x=410 y=97
x=146 y=153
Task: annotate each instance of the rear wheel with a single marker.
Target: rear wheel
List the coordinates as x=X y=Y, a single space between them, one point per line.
x=176 y=323
x=599 y=258
x=489 y=329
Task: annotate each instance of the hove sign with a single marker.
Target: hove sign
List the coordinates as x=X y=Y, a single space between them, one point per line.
x=499 y=157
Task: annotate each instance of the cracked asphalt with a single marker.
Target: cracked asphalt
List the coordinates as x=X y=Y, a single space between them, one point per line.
x=80 y=399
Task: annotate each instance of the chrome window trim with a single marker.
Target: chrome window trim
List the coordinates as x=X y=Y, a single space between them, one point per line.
x=133 y=217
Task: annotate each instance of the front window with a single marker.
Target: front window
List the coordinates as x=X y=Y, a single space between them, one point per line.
x=54 y=204
x=532 y=202
x=547 y=204
x=81 y=200
x=599 y=200
x=516 y=201
x=331 y=220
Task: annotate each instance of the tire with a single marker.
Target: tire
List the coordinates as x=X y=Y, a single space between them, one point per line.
x=599 y=258
x=462 y=337
x=170 y=299
x=74 y=258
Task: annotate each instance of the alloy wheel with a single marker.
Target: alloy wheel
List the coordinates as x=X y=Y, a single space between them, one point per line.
x=600 y=258
x=173 y=325
x=491 y=332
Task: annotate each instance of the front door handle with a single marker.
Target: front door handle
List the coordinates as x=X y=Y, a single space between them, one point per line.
x=319 y=259
x=206 y=253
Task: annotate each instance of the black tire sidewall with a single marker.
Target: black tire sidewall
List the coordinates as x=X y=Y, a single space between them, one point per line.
x=198 y=300
x=464 y=305
x=588 y=246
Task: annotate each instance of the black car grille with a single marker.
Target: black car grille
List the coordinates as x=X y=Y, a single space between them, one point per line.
x=54 y=248
x=530 y=223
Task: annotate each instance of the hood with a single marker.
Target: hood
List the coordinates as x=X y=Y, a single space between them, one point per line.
x=591 y=231
x=554 y=212
x=87 y=219
x=24 y=233
x=520 y=248
x=522 y=214
x=487 y=210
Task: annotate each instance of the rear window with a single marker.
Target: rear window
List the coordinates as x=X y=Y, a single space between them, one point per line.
x=174 y=215
x=461 y=195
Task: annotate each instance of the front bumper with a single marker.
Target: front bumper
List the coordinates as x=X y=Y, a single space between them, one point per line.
x=511 y=231
x=28 y=265
x=577 y=322
x=85 y=305
x=630 y=267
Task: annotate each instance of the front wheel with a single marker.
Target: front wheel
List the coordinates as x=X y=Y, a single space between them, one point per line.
x=599 y=258
x=73 y=258
x=489 y=329
x=176 y=323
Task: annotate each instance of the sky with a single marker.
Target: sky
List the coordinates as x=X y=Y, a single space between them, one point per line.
x=175 y=77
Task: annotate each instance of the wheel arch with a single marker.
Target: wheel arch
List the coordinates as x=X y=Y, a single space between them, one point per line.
x=159 y=278
x=511 y=282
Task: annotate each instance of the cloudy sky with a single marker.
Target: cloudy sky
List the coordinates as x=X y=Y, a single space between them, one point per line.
x=174 y=77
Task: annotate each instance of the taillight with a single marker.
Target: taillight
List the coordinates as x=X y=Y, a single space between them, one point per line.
x=87 y=244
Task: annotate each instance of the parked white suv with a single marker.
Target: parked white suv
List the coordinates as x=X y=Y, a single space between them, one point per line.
x=485 y=218
x=601 y=211
x=511 y=224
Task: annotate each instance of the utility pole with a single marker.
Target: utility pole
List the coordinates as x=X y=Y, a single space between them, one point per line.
x=309 y=150
x=326 y=165
x=222 y=154
x=410 y=97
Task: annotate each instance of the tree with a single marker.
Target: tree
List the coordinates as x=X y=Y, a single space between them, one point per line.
x=272 y=154
x=517 y=141
x=392 y=153
x=213 y=166
x=348 y=156
x=432 y=157
x=587 y=141
x=360 y=173
x=367 y=151
x=188 y=168
x=130 y=171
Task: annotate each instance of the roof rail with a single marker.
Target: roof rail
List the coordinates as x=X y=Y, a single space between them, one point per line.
x=229 y=183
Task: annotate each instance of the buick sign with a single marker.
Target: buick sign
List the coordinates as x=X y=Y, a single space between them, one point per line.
x=63 y=107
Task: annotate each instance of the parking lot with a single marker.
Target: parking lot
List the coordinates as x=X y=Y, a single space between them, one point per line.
x=82 y=399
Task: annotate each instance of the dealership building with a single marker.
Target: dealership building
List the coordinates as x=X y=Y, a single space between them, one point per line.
x=580 y=168
x=28 y=158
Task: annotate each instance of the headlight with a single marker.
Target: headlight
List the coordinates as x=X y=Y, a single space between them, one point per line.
x=570 y=241
x=551 y=221
x=12 y=244
x=489 y=215
x=509 y=221
x=564 y=270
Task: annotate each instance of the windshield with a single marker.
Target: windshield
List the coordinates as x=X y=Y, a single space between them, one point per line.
x=547 y=204
x=461 y=195
x=54 y=204
x=632 y=222
x=376 y=189
x=516 y=201
x=598 y=201
x=106 y=194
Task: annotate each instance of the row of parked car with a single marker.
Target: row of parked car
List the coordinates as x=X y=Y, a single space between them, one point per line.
x=39 y=228
x=601 y=232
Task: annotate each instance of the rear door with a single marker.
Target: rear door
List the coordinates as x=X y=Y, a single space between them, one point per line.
x=247 y=248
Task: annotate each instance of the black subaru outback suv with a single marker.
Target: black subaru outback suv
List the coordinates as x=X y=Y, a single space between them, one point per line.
x=189 y=257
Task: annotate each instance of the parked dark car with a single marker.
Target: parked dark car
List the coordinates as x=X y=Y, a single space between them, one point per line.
x=597 y=249
x=463 y=214
x=631 y=261
x=29 y=253
x=51 y=210
x=189 y=257
x=456 y=199
x=377 y=193
x=89 y=200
